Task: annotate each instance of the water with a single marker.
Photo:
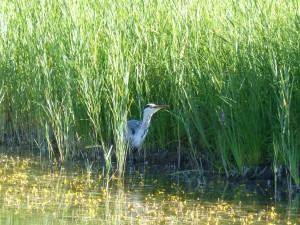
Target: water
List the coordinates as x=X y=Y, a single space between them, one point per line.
x=34 y=192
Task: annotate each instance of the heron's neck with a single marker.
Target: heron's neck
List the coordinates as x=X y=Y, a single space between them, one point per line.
x=146 y=120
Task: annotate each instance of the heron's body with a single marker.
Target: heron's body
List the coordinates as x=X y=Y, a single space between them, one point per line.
x=137 y=130
x=135 y=135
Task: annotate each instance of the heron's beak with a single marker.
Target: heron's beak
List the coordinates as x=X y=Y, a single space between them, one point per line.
x=161 y=106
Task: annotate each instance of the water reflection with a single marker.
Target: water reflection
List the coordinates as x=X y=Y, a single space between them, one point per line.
x=34 y=192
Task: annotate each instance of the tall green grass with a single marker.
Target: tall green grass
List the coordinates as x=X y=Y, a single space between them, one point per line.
x=72 y=73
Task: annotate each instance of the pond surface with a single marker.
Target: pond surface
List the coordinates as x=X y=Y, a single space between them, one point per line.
x=34 y=192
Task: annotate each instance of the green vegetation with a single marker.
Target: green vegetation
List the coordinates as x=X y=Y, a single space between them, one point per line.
x=32 y=192
x=74 y=71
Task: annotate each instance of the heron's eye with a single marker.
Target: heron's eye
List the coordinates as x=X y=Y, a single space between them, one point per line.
x=147 y=106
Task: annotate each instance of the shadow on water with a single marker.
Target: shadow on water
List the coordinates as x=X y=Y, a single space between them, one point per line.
x=210 y=186
x=35 y=191
x=213 y=188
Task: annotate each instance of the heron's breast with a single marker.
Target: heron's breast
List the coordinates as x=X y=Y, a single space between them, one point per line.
x=138 y=138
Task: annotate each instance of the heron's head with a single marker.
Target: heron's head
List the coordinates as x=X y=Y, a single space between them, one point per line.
x=153 y=108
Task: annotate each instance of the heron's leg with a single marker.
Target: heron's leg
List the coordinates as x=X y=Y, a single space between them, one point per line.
x=142 y=152
x=130 y=155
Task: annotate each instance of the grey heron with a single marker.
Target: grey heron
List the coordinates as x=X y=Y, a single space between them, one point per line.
x=137 y=130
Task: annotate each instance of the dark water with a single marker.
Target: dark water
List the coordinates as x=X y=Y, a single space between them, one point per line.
x=36 y=192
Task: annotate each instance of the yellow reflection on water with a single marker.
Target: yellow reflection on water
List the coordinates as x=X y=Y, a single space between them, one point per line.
x=34 y=193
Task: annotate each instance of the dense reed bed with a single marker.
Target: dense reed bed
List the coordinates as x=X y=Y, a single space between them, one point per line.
x=74 y=71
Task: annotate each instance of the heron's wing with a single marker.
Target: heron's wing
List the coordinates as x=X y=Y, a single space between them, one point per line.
x=132 y=127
